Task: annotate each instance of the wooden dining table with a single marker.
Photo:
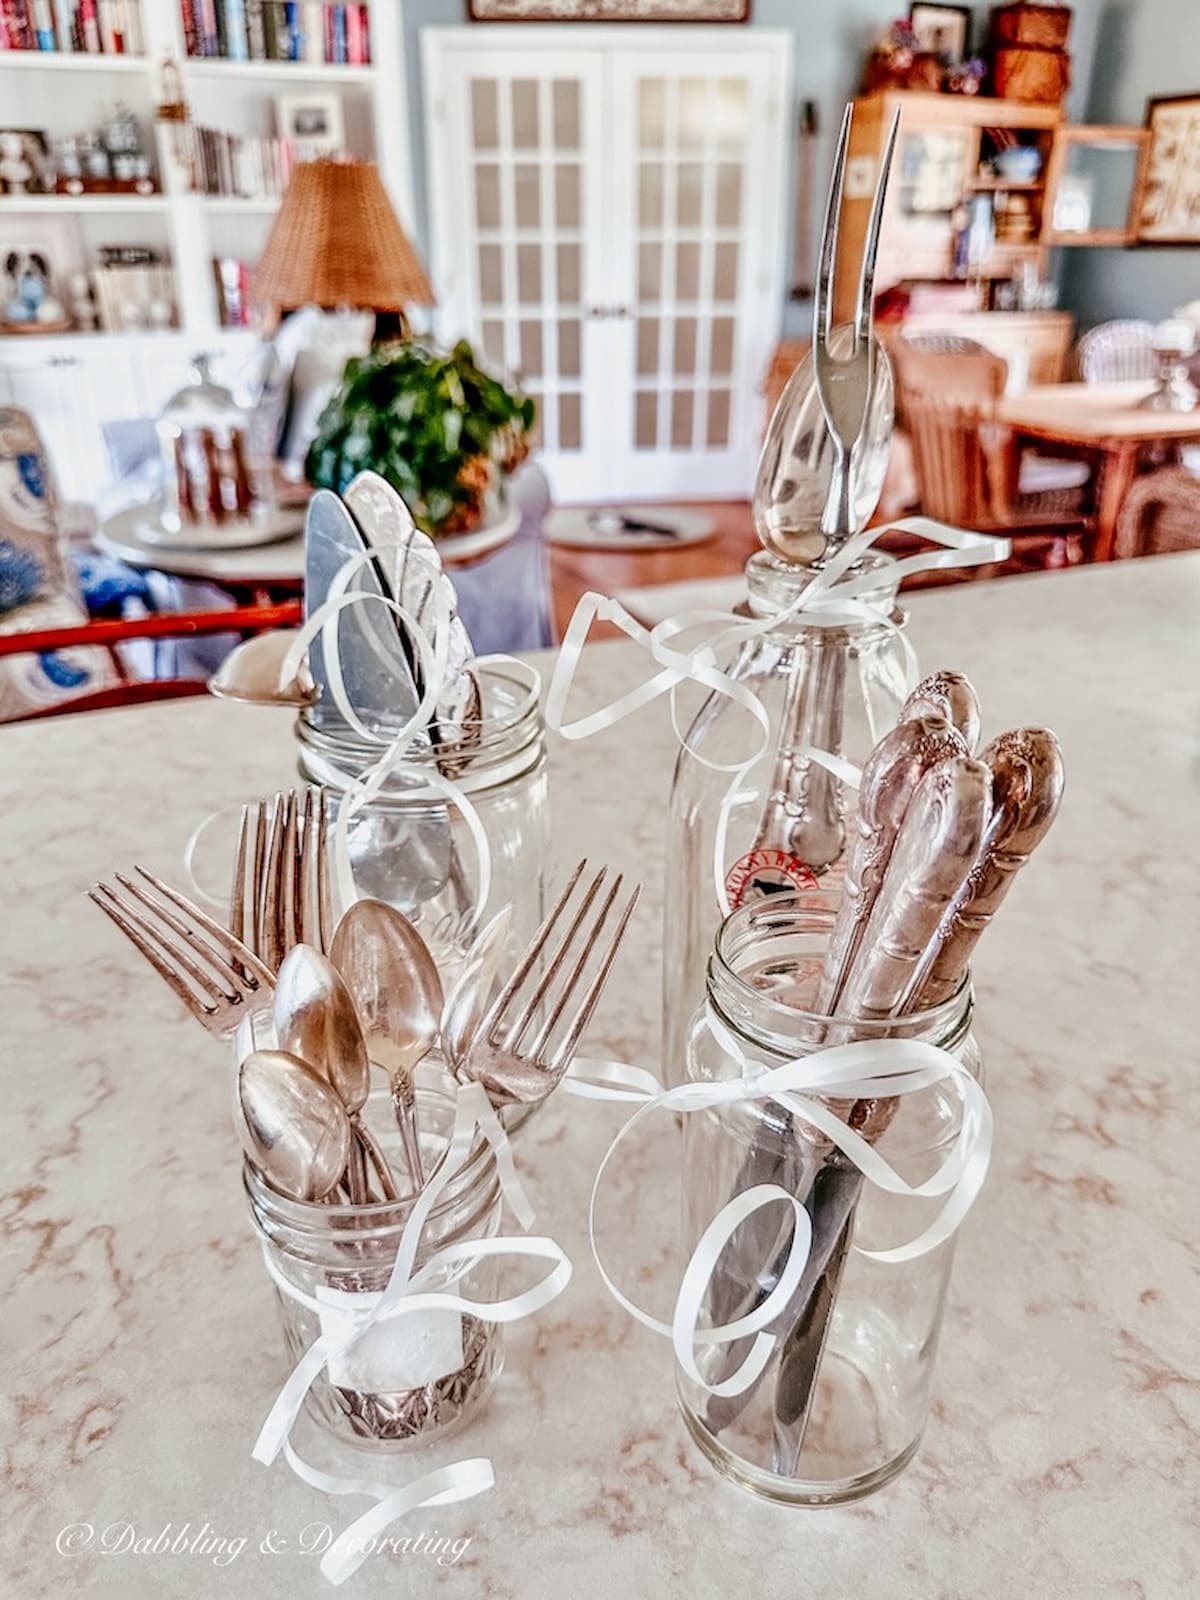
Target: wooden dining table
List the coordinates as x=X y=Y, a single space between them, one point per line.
x=1106 y=421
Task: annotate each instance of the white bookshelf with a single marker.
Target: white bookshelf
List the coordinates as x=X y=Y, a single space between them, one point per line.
x=76 y=380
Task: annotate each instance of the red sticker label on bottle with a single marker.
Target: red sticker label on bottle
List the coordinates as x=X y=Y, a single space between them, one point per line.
x=760 y=873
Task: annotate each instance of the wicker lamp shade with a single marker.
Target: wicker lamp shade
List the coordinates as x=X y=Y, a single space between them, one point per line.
x=337 y=242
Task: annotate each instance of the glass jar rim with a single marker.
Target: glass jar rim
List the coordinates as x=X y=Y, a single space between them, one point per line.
x=950 y=1017
x=764 y=570
x=503 y=732
x=317 y=1218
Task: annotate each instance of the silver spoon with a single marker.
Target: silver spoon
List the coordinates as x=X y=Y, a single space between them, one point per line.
x=293 y=1127
x=472 y=989
x=253 y=673
x=398 y=992
x=315 y=1019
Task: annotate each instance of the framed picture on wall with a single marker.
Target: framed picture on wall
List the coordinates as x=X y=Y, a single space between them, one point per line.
x=608 y=10
x=1169 y=204
x=311 y=123
x=941 y=31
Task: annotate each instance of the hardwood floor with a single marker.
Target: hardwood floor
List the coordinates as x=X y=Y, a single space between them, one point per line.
x=573 y=572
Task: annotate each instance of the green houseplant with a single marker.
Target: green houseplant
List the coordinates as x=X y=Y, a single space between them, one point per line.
x=435 y=425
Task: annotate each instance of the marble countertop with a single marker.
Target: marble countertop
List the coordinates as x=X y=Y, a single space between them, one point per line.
x=1061 y=1456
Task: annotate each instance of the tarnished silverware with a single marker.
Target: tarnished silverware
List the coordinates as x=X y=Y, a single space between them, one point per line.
x=253 y=673
x=217 y=977
x=293 y=1127
x=845 y=381
x=890 y=778
x=315 y=1019
x=802 y=815
x=398 y=992
x=281 y=894
x=513 y=1051
x=1027 y=788
x=949 y=695
x=936 y=846
x=471 y=991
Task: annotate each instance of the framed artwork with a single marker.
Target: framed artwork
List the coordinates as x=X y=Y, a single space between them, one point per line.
x=608 y=10
x=312 y=124
x=1169 y=202
x=942 y=31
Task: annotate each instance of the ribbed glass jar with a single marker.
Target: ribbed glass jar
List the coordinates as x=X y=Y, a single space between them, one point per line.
x=837 y=687
x=842 y=1404
x=411 y=847
x=414 y=1377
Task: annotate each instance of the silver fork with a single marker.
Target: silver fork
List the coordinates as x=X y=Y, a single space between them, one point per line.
x=845 y=384
x=280 y=895
x=515 y=1069
x=218 y=979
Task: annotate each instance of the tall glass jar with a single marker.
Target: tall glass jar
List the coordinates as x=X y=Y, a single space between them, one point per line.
x=837 y=688
x=411 y=847
x=411 y=1377
x=842 y=1404
x=211 y=479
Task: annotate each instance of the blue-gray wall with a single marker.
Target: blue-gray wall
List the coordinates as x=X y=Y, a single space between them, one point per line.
x=1142 y=48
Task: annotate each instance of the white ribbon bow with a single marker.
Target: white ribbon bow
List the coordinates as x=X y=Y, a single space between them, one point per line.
x=870 y=1069
x=407 y=1293
x=833 y=598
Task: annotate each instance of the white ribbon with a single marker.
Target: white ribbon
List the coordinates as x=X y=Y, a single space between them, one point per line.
x=833 y=598
x=407 y=1293
x=868 y=1069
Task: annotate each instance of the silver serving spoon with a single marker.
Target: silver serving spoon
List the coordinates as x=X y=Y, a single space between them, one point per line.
x=398 y=993
x=315 y=1019
x=253 y=673
x=293 y=1127
x=472 y=989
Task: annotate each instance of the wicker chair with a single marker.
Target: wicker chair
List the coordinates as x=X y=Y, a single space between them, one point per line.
x=969 y=466
x=1117 y=352
x=1161 y=514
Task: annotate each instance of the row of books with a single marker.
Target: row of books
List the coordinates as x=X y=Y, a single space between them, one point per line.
x=229 y=164
x=73 y=27
x=277 y=30
x=233 y=291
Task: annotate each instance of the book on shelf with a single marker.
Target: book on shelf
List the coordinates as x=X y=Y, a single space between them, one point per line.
x=73 y=27
x=232 y=279
x=274 y=30
x=238 y=168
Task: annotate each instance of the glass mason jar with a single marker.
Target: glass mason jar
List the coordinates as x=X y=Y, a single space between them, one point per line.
x=841 y=1406
x=411 y=847
x=837 y=688
x=412 y=1377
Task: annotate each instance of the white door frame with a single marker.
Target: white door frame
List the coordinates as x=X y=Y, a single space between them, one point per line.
x=666 y=473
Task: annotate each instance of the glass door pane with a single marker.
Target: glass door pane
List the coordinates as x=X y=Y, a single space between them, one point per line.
x=518 y=138
x=702 y=248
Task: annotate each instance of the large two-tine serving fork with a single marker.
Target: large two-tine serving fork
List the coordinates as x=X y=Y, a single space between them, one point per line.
x=280 y=895
x=528 y=1036
x=845 y=381
x=218 y=979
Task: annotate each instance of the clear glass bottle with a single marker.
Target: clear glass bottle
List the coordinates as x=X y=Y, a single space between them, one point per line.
x=836 y=688
x=826 y=1422
x=411 y=1378
x=411 y=847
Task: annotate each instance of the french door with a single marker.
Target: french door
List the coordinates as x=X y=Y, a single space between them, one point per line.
x=608 y=223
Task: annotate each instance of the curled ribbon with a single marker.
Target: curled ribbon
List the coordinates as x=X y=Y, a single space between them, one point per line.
x=868 y=1069
x=408 y=1292
x=833 y=598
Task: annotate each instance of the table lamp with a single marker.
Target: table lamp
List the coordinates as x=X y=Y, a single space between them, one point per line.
x=336 y=243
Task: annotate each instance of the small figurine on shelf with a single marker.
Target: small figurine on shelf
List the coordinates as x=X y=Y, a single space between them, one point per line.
x=29 y=303
x=83 y=304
